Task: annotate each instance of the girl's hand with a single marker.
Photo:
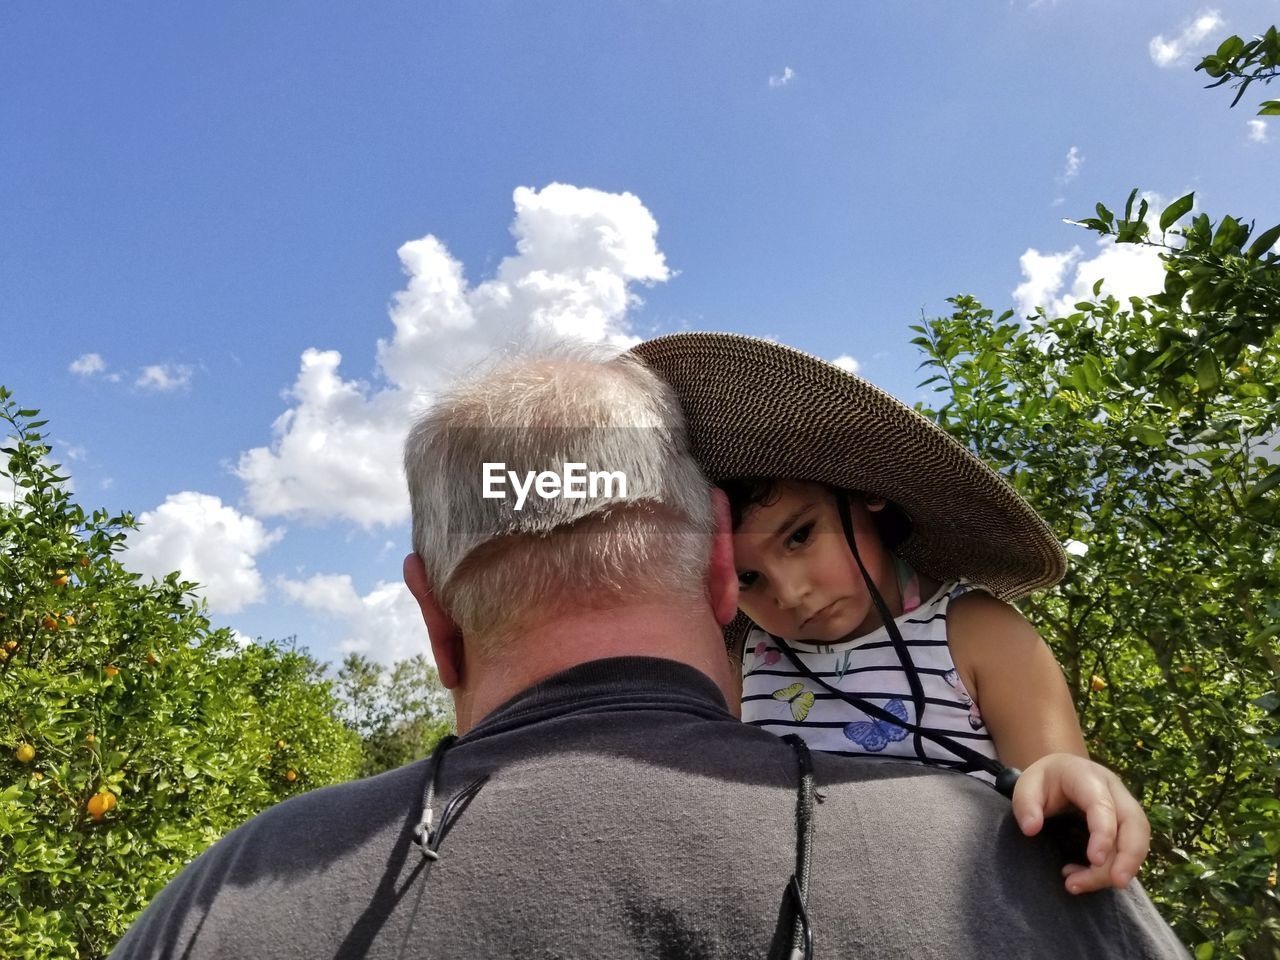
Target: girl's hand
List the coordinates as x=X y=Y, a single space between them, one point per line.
x=1119 y=834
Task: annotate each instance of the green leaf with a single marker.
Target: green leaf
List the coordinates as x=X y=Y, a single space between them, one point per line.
x=1204 y=951
x=1265 y=485
x=1176 y=210
x=1207 y=376
x=1269 y=108
x=1149 y=435
x=1093 y=374
x=1105 y=215
x=1128 y=204
x=1270 y=702
x=1264 y=242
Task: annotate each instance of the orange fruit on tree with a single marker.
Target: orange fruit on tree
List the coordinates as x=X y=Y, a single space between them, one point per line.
x=11 y=645
x=60 y=578
x=70 y=620
x=25 y=753
x=279 y=744
x=1097 y=684
x=83 y=561
x=152 y=658
x=100 y=803
x=291 y=776
x=111 y=670
x=38 y=775
x=89 y=738
x=49 y=623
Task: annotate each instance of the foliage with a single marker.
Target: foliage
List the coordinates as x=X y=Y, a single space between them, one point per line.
x=1243 y=62
x=133 y=735
x=400 y=714
x=1221 y=293
x=1146 y=432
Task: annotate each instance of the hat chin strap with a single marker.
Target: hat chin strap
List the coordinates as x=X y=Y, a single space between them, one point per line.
x=882 y=608
x=1006 y=777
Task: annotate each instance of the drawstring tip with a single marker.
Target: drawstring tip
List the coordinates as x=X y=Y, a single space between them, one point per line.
x=1007 y=779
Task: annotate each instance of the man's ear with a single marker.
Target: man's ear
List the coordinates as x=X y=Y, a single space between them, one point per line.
x=446 y=639
x=722 y=575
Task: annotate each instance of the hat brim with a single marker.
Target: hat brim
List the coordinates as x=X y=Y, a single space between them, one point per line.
x=756 y=408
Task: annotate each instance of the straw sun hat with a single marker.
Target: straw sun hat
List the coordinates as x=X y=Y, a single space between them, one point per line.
x=760 y=409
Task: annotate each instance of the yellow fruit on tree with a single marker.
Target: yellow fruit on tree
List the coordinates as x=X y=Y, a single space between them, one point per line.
x=38 y=775
x=89 y=738
x=100 y=803
x=1097 y=683
x=279 y=744
x=111 y=670
x=11 y=645
x=70 y=620
x=291 y=776
x=25 y=753
x=60 y=579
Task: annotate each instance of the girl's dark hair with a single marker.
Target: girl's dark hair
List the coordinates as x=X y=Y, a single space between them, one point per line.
x=892 y=523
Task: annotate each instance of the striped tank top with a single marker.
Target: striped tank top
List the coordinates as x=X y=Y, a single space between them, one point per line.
x=778 y=698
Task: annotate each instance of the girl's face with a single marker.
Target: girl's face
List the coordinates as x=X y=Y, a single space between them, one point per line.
x=797 y=576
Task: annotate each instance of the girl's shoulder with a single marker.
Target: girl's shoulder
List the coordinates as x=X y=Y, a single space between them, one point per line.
x=948 y=592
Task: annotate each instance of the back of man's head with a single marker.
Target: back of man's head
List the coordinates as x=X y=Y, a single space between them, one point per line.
x=625 y=515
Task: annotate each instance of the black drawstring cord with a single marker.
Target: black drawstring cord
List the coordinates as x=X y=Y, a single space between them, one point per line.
x=886 y=617
x=798 y=885
x=427 y=836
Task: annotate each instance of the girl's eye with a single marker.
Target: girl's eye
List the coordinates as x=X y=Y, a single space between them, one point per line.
x=801 y=534
x=746 y=579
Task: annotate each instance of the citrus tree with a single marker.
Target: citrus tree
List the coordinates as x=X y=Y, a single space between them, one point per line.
x=1145 y=433
x=132 y=735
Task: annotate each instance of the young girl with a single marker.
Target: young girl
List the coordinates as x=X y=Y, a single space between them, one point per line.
x=878 y=623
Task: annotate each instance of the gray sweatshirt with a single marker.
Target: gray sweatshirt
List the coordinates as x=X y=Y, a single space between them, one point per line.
x=627 y=814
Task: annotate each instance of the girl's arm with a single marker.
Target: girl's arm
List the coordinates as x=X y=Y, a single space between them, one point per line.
x=1011 y=674
x=1026 y=706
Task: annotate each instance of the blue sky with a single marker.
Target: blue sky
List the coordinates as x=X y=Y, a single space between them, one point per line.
x=203 y=206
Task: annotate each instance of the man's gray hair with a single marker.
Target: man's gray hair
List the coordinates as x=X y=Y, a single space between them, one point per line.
x=495 y=564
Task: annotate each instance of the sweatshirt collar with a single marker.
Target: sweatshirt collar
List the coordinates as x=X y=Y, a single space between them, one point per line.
x=611 y=684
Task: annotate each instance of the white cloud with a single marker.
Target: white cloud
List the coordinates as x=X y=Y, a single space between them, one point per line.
x=846 y=362
x=1127 y=270
x=384 y=624
x=1168 y=52
x=87 y=364
x=209 y=542
x=782 y=79
x=1257 y=131
x=164 y=377
x=336 y=450
x=1043 y=275
x=1072 y=168
x=1057 y=281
